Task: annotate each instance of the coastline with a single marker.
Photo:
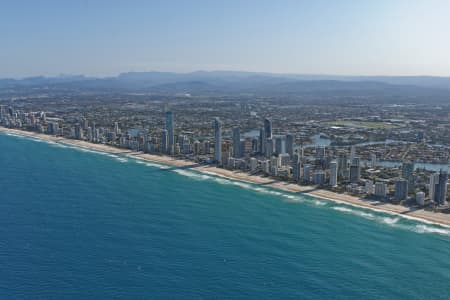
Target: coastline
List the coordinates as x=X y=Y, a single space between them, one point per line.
x=416 y=214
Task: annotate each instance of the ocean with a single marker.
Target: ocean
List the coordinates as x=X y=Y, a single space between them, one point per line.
x=79 y=224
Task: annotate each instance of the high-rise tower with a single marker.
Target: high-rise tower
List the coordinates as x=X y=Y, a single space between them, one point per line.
x=236 y=143
x=217 y=141
x=170 y=133
x=441 y=188
x=333 y=173
x=268 y=128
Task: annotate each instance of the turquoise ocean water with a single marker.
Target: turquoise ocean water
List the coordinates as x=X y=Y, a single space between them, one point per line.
x=77 y=224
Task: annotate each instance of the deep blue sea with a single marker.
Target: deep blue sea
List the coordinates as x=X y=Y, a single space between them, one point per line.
x=77 y=224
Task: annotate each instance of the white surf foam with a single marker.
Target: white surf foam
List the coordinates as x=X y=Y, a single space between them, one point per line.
x=15 y=135
x=157 y=166
x=151 y=164
x=394 y=222
x=59 y=145
x=89 y=150
x=242 y=185
x=248 y=186
x=421 y=228
x=221 y=180
x=192 y=175
x=33 y=138
x=354 y=212
x=121 y=159
x=389 y=221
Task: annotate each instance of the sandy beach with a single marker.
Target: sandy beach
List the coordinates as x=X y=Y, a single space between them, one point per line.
x=418 y=214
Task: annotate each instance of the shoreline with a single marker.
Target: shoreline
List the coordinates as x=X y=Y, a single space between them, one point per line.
x=383 y=207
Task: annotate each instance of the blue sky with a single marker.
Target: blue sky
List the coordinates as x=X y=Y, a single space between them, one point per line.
x=102 y=38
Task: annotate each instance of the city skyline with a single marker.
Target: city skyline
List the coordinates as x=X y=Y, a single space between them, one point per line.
x=277 y=156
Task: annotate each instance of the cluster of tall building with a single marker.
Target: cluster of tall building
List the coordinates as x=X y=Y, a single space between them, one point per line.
x=405 y=186
x=270 y=154
x=278 y=155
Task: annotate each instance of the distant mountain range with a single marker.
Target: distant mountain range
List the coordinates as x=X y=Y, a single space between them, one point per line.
x=230 y=82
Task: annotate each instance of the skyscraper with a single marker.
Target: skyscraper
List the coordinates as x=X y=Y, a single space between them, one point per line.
x=266 y=136
x=380 y=189
x=434 y=179
x=265 y=166
x=170 y=133
x=90 y=135
x=352 y=152
x=116 y=128
x=373 y=159
x=84 y=123
x=78 y=132
x=253 y=165
x=255 y=145
x=407 y=173
x=53 y=128
x=296 y=167
x=420 y=198
x=164 y=141
x=269 y=147
x=2 y=113
x=441 y=188
x=369 y=187
x=355 y=173
x=196 y=147
x=333 y=173
x=268 y=128
x=289 y=145
x=401 y=189
x=217 y=141
x=94 y=133
x=236 y=143
x=318 y=177
x=278 y=144
x=306 y=172
x=355 y=170
x=342 y=165
x=262 y=141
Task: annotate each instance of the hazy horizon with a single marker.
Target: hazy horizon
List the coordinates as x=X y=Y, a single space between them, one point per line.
x=61 y=74
x=345 y=38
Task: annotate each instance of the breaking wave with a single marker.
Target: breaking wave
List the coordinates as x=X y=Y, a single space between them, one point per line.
x=151 y=164
x=15 y=135
x=249 y=186
x=395 y=222
x=192 y=174
x=421 y=228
